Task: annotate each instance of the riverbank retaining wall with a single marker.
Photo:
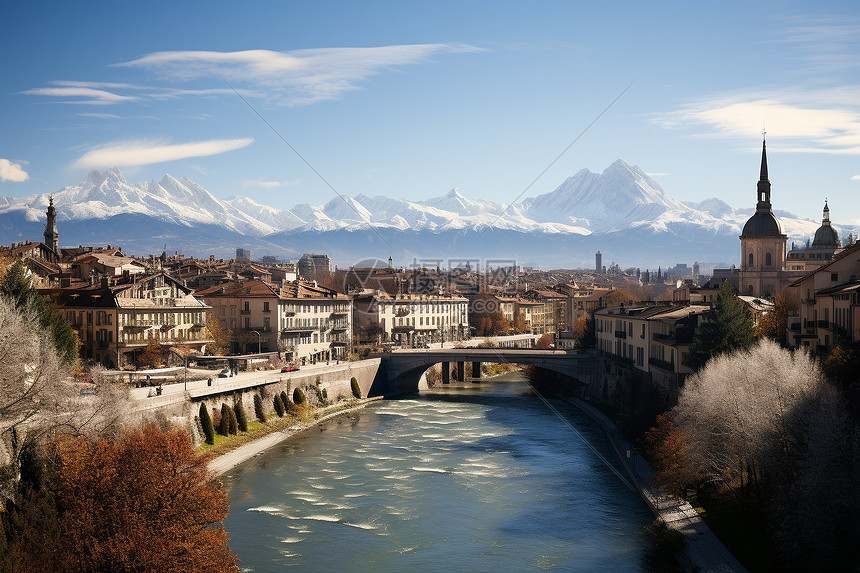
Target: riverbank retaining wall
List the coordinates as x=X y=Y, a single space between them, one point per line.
x=330 y=383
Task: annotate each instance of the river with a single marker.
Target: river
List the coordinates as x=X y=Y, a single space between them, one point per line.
x=484 y=477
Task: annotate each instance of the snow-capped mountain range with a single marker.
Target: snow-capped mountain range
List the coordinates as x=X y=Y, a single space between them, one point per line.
x=622 y=199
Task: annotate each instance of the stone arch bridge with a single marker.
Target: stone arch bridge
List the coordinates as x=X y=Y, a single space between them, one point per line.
x=400 y=371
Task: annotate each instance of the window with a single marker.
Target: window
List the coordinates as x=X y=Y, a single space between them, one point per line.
x=265 y=306
x=247 y=306
x=767 y=260
x=834 y=277
x=751 y=260
x=642 y=335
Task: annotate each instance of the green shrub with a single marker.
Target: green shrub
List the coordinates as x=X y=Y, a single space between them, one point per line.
x=279 y=406
x=258 y=408
x=234 y=423
x=285 y=400
x=241 y=418
x=356 y=389
x=299 y=397
x=206 y=423
x=224 y=425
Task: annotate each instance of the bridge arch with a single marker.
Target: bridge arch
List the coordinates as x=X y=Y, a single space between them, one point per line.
x=400 y=371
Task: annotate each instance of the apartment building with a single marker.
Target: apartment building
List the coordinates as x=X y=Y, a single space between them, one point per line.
x=829 y=304
x=650 y=338
x=410 y=319
x=116 y=322
x=304 y=322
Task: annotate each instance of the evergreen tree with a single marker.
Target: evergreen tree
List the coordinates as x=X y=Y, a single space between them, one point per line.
x=233 y=423
x=258 y=408
x=728 y=327
x=284 y=400
x=206 y=422
x=356 y=389
x=241 y=418
x=299 y=397
x=224 y=426
x=279 y=406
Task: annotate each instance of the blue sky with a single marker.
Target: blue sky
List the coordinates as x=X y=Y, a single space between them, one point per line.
x=410 y=99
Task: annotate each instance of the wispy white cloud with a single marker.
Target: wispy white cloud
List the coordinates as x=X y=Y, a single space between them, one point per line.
x=89 y=96
x=99 y=115
x=268 y=184
x=814 y=122
x=855 y=178
x=298 y=77
x=129 y=153
x=12 y=171
x=827 y=45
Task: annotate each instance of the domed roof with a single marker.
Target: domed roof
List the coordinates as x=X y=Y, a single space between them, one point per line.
x=825 y=237
x=762 y=224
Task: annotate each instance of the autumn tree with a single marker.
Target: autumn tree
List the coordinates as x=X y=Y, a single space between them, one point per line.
x=521 y=325
x=617 y=297
x=667 y=451
x=222 y=339
x=728 y=327
x=144 y=502
x=774 y=324
x=153 y=355
x=544 y=342
x=584 y=331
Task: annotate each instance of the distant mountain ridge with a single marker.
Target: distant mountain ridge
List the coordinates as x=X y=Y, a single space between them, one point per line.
x=587 y=208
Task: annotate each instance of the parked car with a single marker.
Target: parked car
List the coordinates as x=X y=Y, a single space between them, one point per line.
x=290 y=368
x=225 y=373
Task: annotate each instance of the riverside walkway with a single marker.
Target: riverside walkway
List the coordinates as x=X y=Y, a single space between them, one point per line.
x=703 y=551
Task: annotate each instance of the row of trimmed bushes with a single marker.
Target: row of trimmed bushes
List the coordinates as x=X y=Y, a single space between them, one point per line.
x=234 y=420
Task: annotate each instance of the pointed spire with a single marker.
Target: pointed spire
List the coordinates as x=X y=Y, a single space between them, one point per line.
x=826 y=218
x=763 y=187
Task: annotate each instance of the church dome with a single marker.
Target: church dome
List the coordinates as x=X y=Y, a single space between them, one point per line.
x=762 y=224
x=826 y=236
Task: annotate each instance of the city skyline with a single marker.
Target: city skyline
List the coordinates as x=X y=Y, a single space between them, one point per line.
x=411 y=101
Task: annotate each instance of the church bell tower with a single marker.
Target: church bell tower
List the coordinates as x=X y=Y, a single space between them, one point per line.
x=52 y=236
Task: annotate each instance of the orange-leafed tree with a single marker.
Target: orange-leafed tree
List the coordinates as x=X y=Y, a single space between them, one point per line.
x=144 y=502
x=668 y=452
x=544 y=341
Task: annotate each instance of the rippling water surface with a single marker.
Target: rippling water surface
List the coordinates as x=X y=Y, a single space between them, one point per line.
x=484 y=477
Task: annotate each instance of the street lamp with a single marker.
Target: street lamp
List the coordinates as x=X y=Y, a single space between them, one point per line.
x=259 y=345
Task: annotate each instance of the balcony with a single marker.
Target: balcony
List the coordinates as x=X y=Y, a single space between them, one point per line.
x=299 y=329
x=822 y=323
x=337 y=313
x=658 y=337
x=621 y=334
x=244 y=312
